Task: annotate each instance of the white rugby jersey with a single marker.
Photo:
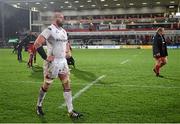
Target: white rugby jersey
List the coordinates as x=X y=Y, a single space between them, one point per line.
x=56 y=40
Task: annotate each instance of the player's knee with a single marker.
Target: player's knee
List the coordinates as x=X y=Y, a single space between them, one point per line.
x=66 y=81
x=47 y=81
x=45 y=87
x=66 y=85
x=164 y=62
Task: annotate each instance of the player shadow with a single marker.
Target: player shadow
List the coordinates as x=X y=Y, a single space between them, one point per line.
x=170 y=78
x=37 y=72
x=37 y=68
x=85 y=75
x=78 y=120
x=81 y=119
x=22 y=61
x=43 y=119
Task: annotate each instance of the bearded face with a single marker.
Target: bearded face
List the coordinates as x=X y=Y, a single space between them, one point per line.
x=59 y=19
x=59 y=23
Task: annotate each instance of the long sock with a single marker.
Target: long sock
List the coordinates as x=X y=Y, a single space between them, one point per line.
x=158 y=68
x=35 y=58
x=30 y=59
x=68 y=100
x=41 y=97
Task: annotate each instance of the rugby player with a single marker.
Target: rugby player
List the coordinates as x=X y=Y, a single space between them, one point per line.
x=159 y=51
x=55 y=64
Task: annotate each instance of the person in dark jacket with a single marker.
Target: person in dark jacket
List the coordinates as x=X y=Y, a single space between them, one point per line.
x=159 y=51
x=15 y=47
x=29 y=46
x=19 y=51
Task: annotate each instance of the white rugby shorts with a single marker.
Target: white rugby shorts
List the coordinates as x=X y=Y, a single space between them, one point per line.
x=56 y=67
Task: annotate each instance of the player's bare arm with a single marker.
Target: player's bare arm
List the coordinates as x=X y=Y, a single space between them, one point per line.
x=38 y=46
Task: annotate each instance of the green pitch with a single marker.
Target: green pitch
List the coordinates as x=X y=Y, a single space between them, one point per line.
x=128 y=92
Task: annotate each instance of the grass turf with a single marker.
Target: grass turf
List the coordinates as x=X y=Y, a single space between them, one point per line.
x=130 y=92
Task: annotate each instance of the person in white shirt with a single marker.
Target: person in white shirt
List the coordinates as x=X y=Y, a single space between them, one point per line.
x=55 y=64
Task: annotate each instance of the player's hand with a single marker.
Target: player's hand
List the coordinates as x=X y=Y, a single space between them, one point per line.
x=50 y=58
x=157 y=55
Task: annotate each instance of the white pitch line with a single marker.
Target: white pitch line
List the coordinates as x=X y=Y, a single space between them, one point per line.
x=143 y=86
x=84 y=89
x=104 y=85
x=125 y=61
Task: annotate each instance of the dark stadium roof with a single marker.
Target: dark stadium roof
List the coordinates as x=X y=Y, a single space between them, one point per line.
x=50 y=5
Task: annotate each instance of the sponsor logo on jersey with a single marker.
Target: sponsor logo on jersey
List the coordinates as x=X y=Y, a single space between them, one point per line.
x=61 y=40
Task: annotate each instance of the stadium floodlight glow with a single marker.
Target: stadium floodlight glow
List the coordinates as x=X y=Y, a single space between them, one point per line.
x=37 y=3
x=118 y=4
x=172 y=2
x=51 y=2
x=171 y=7
x=178 y=14
x=93 y=5
x=76 y=1
x=131 y=4
x=102 y=0
x=15 y=6
x=34 y=9
x=66 y=2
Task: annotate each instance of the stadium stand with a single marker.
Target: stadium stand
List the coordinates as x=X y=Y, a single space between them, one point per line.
x=128 y=25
